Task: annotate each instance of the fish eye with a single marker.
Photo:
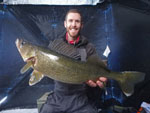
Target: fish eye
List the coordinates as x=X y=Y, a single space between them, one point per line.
x=23 y=42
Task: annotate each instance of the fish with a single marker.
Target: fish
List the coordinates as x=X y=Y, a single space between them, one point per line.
x=46 y=62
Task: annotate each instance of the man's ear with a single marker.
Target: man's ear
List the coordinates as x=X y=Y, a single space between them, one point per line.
x=65 y=24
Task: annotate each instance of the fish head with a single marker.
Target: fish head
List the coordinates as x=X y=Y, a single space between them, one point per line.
x=26 y=49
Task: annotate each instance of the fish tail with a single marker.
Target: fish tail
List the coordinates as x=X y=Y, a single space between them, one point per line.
x=128 y=79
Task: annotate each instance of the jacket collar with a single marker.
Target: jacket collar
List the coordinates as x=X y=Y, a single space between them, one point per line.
x=73 y=42
x=82 y=41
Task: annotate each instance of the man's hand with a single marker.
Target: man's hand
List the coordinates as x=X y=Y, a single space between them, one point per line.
x=100 y=82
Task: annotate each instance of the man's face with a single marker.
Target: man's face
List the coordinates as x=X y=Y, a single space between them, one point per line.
x=73 y=24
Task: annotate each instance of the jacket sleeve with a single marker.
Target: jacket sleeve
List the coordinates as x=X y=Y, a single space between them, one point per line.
x=90 y=50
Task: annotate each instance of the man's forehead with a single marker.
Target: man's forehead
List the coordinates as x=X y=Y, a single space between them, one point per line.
x=73 y=15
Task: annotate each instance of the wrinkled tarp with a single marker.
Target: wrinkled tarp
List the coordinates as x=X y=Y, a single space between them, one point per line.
x=39 y=25
x=124 y=28
x=54 y=2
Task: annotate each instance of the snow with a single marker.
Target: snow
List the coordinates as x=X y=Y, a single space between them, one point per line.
x=20 y=111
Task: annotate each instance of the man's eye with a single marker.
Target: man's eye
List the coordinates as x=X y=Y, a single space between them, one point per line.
x=78 y=21
x=70 y=20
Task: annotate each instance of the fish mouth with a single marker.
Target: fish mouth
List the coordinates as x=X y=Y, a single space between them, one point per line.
x=32 y=60
x=19 y=44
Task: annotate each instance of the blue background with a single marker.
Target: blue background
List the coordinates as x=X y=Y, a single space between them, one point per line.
x=124 y=26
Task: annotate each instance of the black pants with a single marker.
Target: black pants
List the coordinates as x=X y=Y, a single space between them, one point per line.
x=74 y=103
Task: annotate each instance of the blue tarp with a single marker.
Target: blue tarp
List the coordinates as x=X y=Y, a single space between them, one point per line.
x=123 y=28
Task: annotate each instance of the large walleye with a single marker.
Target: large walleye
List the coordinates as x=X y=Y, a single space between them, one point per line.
x=59 y=67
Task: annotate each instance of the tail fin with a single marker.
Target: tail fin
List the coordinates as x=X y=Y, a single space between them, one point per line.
x=129 y=79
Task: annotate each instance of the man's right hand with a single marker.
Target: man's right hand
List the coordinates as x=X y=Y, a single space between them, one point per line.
x=100 y=82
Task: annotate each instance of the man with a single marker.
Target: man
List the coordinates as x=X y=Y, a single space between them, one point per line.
x=72 y=98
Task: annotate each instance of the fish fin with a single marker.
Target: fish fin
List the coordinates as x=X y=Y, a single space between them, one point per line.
x=35 y=77
x=26 y=67
x=128 y=81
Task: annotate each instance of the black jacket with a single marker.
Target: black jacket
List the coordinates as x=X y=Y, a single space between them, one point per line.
x=62 y=46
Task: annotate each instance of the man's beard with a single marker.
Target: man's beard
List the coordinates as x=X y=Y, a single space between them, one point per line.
x=73 y=36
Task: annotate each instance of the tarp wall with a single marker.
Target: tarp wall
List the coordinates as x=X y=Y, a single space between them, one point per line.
x=130 y=44
x=123 y=27
x=39 y=25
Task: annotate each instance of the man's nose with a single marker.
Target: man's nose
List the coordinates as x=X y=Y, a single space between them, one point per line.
x=73 y=23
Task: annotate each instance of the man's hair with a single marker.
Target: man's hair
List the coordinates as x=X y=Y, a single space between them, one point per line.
x=74 y=11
